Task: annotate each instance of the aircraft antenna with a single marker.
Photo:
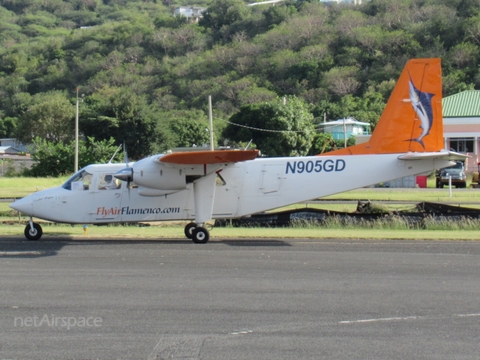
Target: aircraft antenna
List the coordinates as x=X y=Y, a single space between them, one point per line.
x=116 y=151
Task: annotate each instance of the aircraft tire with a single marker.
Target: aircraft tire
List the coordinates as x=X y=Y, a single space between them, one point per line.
x=200 y=235
x=35 y=233
x=189 y=229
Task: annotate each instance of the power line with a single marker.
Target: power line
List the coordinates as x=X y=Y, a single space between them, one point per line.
x=265 y=130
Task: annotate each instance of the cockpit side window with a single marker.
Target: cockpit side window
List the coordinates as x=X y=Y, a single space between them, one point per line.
x=108 y=182
x=79 y=181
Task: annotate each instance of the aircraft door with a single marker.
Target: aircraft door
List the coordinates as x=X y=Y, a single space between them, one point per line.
x=272 y=176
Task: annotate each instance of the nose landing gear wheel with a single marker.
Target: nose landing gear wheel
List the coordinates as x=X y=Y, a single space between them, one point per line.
x=35 y=233
x=200 y=235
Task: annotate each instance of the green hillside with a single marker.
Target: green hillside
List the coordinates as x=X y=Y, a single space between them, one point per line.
x=144 y=75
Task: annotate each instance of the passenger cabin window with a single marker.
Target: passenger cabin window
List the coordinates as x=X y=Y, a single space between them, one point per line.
x=79 y=181
x=108 y=182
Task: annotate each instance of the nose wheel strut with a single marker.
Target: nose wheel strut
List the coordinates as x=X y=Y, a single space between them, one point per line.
x=33 y=231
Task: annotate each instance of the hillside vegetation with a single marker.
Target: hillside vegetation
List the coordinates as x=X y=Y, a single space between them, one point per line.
x=143 y=75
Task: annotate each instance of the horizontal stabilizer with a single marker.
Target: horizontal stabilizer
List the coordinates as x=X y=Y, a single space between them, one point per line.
x=441 y=155
x=208 y=157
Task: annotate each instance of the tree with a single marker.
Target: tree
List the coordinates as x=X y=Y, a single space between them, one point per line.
x=274 y=15
x=51 y=117
x=125 y=116
x=222 y=13
x=8 y=126
x=55 y=159
x=455 y=82
x=342 y=81
x=321 y=143
x=283 y=127
x=464 y=57
x=190 y=132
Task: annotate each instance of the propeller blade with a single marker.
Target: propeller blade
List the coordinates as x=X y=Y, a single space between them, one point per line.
x=125 y=154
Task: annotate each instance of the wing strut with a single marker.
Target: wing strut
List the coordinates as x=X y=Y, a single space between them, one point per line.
x=203 y=195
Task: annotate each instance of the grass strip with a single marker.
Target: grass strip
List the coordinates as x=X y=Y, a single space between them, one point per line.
x=54 y=231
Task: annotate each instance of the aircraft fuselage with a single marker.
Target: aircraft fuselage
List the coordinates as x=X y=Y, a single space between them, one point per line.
x=241 y=188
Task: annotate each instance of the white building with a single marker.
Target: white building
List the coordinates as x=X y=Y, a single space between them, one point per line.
x=190 y=12
x=461 y=125
x=13 y=143
x=344 y=128
x=354 y=2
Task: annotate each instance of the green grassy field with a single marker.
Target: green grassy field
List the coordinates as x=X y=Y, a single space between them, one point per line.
x=19 y=187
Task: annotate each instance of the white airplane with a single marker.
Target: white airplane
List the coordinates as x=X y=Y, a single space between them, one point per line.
x=204 y=185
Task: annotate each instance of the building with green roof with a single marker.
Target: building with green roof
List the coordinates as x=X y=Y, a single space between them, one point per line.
x=461 y=124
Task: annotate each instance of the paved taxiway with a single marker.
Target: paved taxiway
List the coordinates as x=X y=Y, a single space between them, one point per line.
x=239 y=299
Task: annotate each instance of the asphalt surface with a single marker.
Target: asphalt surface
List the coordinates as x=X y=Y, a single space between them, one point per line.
x=239 y=299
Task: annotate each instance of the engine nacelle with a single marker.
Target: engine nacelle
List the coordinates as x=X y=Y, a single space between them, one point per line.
x=143 y=191
x=152 y=175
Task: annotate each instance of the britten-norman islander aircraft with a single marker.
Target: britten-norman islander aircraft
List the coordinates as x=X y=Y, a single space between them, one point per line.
x=204 y=185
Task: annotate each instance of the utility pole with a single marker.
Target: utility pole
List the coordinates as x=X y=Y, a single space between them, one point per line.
x=210 y=118
x=76 y=135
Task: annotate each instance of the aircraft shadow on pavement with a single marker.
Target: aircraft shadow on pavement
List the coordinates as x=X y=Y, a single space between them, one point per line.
x=254 y=242
x=14 y=248
x=176 y=241
x=50 y=246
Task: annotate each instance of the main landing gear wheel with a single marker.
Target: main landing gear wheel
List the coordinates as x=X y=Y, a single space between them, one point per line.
x=189 y=230
x=200 y=235
x=35 y=233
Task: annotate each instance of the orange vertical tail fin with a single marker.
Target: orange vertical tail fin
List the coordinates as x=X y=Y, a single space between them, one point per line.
x=412 y=120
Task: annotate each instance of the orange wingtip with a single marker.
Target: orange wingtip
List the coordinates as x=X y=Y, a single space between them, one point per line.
x=209 y=157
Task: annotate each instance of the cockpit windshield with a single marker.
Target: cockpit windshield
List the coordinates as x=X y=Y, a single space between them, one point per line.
x=79 y=181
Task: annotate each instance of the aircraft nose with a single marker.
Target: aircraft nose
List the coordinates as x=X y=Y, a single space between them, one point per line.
x=24 y=205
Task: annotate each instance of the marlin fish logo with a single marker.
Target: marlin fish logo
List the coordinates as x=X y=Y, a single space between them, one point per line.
x=422 y=105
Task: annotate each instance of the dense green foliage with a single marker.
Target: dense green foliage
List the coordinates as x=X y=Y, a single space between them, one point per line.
x=144 y=74
x=57 y=159
x=290 y=118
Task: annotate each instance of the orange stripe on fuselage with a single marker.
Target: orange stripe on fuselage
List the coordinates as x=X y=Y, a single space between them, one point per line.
x=400 y=129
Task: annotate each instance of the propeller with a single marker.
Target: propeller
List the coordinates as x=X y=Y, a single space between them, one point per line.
x=125 y=174
x=125 y=154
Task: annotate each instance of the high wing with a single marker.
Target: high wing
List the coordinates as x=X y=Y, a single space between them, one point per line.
x=208 y=157
x=166 y=174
